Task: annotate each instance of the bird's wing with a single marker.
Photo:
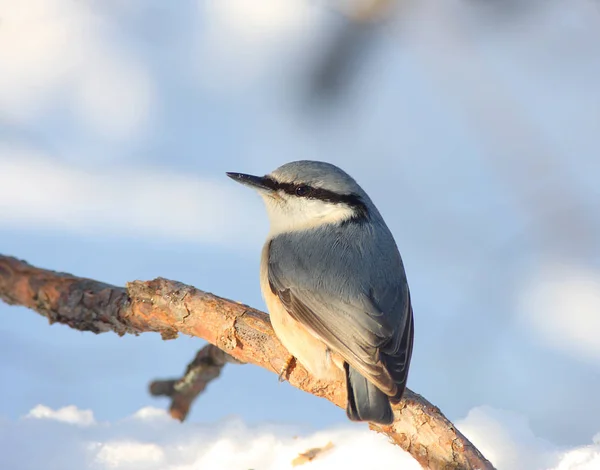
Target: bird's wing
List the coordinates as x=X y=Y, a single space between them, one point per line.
x=370 y=326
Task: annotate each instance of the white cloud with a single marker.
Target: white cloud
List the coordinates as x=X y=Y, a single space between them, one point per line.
x=57 y=51
x=560 y=303
x=38 y=192
x=69 y=414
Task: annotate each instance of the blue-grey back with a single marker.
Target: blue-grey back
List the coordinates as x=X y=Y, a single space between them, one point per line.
x=350 y=261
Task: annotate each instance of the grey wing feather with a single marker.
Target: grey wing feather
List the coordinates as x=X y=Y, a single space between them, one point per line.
x=367 y=321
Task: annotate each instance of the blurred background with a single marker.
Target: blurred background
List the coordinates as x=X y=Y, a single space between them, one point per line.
x=473 y=125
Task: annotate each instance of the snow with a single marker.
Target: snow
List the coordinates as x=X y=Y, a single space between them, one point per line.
x=68 y=414
x=151 y=440
x=128 y=454
x=506 y=439
x=71 y=439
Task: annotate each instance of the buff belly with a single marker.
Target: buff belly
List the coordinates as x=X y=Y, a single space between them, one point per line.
x=301 y=343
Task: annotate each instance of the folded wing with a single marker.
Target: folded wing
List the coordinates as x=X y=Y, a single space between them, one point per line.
x=366 y=319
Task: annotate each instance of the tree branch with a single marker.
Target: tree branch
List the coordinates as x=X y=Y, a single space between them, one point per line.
x=205 y=368
x=169 y=307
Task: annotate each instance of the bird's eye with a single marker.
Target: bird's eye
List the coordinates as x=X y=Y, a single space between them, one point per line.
x=302 y=190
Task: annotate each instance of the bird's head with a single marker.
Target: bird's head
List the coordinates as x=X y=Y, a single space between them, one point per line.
x=306 y=194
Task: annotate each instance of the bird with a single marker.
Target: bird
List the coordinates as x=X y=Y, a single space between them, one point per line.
x=334 y=284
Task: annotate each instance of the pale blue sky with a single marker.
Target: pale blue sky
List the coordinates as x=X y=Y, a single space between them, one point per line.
x=477 y=140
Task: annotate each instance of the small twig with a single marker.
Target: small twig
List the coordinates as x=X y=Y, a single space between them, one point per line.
x=311 y=454
x=205 y=368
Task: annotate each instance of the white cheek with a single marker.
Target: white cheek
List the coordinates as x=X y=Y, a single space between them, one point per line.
x=293 y=214
x=313 y=208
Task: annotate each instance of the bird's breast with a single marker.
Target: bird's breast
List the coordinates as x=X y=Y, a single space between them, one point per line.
x=309 y=350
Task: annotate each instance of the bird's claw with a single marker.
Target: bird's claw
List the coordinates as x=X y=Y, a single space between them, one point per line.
x=285 y=369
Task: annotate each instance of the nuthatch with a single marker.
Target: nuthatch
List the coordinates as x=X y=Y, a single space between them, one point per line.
x=334 y=284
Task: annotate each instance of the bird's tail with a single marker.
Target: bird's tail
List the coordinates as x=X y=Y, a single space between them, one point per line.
x=365 y=401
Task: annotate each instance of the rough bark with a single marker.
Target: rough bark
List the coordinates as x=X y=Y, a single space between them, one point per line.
x=245 y=334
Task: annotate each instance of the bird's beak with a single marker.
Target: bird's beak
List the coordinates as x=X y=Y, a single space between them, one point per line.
x=257 y=182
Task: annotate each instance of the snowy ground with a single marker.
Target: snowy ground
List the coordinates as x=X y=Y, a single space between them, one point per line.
x=71 y=439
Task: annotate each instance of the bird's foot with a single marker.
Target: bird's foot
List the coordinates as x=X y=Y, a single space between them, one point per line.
x=286 y=368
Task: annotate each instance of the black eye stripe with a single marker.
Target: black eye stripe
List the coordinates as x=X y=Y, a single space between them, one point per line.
x=270 y=183
x=311 y=192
